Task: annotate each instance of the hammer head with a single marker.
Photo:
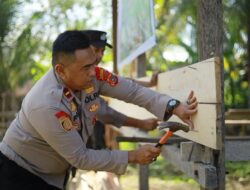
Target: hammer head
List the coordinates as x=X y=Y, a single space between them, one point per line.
x=173 y=126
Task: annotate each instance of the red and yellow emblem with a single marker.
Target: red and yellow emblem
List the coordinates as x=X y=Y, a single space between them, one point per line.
x=64 y=120
x=89 y=90
x=93 y=108
x=104 y=75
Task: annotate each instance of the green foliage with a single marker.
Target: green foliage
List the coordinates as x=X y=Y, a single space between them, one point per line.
x=25 y=49
x=236 y=22
x=174 y=18
x=176 y=25
x=238 y=169
x=127 y=146
x=7 y=12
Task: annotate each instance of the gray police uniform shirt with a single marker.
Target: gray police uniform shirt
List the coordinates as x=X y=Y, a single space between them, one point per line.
x=47 y=137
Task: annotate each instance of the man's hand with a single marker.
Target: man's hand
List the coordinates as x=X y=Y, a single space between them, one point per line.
x=149 y=124
x=144 y=155
x=185 y=110
x=154 y=79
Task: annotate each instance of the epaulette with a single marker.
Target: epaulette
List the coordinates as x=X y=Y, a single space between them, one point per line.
x=104 y=75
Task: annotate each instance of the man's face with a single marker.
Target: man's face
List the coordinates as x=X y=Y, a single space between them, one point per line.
x=99 y=51
x=78 y=71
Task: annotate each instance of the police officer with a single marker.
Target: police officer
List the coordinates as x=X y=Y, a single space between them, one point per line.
x=50 y=132
x=106 y=114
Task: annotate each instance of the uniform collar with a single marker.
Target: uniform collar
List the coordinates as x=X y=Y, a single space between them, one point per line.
x=61 y=85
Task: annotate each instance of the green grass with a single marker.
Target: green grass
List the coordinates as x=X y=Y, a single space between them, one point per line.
x=162 y=172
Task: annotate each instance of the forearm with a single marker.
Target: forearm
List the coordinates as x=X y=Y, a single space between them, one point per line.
x=143 y=83
x=135 y=94
x=133 y=122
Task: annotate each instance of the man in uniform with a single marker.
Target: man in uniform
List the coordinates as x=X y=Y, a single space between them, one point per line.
x=50 y=132
x=106 y=114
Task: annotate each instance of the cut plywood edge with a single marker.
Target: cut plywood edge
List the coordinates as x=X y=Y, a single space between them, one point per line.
x=131 y=110
x=204 y=79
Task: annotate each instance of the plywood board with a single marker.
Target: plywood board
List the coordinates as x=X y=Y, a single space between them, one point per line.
x=131 y=110
x=204 y=79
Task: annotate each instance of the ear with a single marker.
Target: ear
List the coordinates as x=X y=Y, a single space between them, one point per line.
x=59 y=68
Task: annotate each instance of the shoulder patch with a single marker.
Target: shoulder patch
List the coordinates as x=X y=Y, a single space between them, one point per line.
x=64 y=120
x=104 y=75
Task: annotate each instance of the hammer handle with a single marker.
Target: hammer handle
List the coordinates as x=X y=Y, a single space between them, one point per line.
x=163 y=140
x=165 y=137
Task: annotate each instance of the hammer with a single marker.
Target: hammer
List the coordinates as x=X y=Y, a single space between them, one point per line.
x=173 y=127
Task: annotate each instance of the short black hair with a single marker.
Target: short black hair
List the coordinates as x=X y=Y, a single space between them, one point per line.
x=68 y=42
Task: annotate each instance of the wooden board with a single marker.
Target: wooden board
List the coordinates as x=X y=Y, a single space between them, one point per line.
x=204 y=79
x=132 y=111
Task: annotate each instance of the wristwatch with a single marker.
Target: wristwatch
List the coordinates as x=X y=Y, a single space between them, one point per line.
x=172 y=103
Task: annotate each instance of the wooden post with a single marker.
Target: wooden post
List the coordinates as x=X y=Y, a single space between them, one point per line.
x=210 y=44
x=143 y=169
x=141 y=65
x=114 y=17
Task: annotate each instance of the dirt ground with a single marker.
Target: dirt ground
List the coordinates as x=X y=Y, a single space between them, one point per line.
x=131 y=183
x=107 y=181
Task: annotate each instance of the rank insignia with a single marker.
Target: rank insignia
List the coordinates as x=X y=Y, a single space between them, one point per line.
x=104 y=75
x=64 y=120
x=73 y=107
x=89 y=90
x=93 y=107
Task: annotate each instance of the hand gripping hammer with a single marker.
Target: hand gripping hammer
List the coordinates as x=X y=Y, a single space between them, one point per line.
x=173 y=127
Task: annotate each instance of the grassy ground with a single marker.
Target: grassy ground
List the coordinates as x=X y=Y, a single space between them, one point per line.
x=164 y=176
x=130 y=180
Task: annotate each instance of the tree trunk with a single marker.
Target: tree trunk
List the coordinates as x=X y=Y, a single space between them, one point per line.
x=210 y=44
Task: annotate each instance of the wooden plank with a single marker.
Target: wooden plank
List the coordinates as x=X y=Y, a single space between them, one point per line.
x=200 y=77
x=132 y=111
x=195 y=152
x=237 y=122
x=237 y=114
x=204 y=79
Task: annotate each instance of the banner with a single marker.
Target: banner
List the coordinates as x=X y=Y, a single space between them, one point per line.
x=136 y=30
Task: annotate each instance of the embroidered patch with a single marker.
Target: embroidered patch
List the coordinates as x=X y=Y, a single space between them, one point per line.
x=93 y=107
x=73 y=107
x=89 y=90
x=67 y=94
x=104 y=75
x=91 y=97
x=64 y=120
